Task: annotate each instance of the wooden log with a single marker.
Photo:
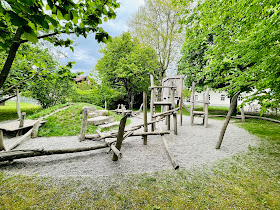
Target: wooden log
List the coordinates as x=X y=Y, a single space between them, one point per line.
x=169 y=152
x=171 y=87
x=20 y=140
x=150 y=133
x=35 y=128
x=19 y=154
x=145 y=110
x=84 y=124
x=169 y=112
x=120 y=136
x=105 y=105
x=1 y=141
x=230 y=111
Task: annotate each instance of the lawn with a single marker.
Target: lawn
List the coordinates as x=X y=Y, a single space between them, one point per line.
x=9 y=111
x=245 y=181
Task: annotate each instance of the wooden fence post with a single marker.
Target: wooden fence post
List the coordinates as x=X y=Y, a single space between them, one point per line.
x=35 y=128
x=145 y=137
x=21 y=123
x=1 y=141
x=84 y=124
x=120 y=136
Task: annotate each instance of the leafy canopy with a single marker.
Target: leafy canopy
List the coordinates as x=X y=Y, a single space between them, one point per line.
x=233 y=45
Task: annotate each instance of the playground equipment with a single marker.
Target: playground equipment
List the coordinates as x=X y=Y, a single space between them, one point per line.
x=167 y=101
x=205 y=103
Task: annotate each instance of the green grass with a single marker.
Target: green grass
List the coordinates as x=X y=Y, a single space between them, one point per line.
x=246 y=181
x=68 y=122
x=9 y=111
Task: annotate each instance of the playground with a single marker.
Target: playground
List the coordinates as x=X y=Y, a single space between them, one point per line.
x=193 y=146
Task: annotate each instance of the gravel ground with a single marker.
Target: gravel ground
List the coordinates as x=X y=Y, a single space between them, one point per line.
x=193 y=146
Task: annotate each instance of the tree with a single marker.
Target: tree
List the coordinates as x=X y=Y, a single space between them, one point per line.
x=233 y=46
x=29 y=63
x=24 y=21
x=53 y=87
x=156 y=24
x=126 y=65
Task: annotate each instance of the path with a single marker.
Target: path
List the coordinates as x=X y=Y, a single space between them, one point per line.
x=194 y=145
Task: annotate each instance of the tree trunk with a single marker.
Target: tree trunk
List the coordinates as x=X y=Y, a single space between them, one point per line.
x=11 y=56
x=234 y=113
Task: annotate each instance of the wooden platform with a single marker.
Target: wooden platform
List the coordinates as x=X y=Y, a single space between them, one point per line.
x=14 y=125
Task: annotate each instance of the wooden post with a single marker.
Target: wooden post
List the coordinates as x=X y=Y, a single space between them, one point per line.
x=105 y=105
x=230 y=111
x=206 y=108
x=181 y=102
x=21 y=122
x=174 y=114
x=175 y=123
x=35 y=128
x=145 y=138
x=192 y=102
x=18 y=104
x=1 y=141
x=122 y=109
x=242 y=114
x=120 y=136
x=84 y=124
x=152 y=100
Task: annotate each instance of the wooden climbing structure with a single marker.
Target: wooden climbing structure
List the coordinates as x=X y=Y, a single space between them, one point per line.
x=204 y=102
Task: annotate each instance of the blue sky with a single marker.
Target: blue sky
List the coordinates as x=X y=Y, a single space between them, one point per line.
x=86 y=50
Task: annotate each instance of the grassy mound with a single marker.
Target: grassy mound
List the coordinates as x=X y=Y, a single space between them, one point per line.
x=68 y=122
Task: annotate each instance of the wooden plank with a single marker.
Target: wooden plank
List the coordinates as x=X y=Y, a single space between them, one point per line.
x=14 y=126
x=170 y=112
x=153 y=87
x=120 y=136
x=109 y=125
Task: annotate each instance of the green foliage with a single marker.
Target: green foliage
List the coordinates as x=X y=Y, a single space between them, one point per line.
x=246 y=181
x=234 y=46
x=9 y=111
x=125 y=67
x=53 y=87
x=29 y=21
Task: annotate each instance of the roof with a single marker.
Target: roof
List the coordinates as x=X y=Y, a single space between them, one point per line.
x=78 y=79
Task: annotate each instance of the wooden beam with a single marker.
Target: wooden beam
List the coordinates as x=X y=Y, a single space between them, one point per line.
x=145 y=110
x=230 y=111
x=120 y=136
x=169 y=152
x=20 y=140
x=35 y=129
x=169 y=112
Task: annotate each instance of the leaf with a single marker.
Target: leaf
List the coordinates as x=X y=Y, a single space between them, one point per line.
x=31 y=37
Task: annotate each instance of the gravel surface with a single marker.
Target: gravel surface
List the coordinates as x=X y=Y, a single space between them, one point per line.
x=193 y=146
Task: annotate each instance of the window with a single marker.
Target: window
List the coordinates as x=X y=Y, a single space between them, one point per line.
x=209 y=97
x=196 y=97
x=239 y=98
x=223 y=97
